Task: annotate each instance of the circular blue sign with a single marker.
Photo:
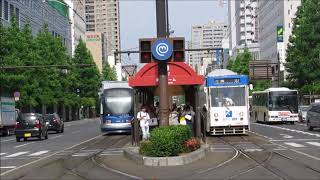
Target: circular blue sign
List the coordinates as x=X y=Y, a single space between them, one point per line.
x=162 y=49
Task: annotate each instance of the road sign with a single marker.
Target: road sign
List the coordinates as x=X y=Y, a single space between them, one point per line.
x=16 y=94
x=162 y=49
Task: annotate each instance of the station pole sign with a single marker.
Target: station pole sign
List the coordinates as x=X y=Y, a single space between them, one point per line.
x=162 y=49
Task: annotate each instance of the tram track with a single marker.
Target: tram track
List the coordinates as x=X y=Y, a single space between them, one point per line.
x=92 y=159
x=264 y=164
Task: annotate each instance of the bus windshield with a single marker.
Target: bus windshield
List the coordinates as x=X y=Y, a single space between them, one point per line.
x=117 y=101
x=283 y=101
x=228 y=96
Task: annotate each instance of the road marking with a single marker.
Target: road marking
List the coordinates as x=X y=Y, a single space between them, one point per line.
x=38 y=160
x=280 y=149
x=7 y=140
x=38 y=153
x=286 y=136
x=56 y=137
x=7 y=167
x=16 y=154
x=294 y=144
x=23 y=145
x=75 y=132
x=279 y=140
x=287 y=129
x=252 y=150
x=314 y=143
x=2 y=154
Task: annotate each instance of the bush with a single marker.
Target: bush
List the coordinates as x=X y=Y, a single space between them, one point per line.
x=191 y=145
x=166 y=141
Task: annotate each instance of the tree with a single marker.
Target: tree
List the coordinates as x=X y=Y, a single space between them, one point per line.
x=87 y=78
x=108 y=73
x=241 y=64
x=303 y=52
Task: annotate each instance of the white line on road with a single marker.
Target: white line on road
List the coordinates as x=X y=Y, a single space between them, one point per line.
x=38 y=153
x=314 y=143
x=279 y=140
x=23 y=145
x=7 y=167
x=38 y=160
x=56 y=137
x=287 y=129
x=7 y=140
x=2 y=154
x=294 y=144
x=16 y=154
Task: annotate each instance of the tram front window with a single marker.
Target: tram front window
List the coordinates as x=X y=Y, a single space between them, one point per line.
x=229 y=96
x=118 y=101
x=283 y=101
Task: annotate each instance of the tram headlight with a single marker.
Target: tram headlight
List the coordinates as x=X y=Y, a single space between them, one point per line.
x=241 y=114
x=215 y=114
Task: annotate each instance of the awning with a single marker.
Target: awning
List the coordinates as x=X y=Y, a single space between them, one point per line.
x=179 y=73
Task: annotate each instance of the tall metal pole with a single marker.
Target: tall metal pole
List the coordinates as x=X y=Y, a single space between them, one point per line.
x=162 y=66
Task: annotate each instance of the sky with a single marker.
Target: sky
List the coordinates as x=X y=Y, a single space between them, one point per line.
x=138 y=20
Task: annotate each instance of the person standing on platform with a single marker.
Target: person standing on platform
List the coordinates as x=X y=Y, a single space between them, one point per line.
x=144 y=118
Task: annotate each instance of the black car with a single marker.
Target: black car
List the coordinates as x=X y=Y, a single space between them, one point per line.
x=55 y=123
x=31 y=125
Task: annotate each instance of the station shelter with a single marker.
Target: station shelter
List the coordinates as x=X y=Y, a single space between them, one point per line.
x=183 y=81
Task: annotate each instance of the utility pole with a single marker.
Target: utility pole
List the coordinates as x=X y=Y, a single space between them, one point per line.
x=162 y=27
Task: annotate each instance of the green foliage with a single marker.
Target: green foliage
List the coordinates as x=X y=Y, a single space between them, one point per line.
x=260 y=85
x=241 y=64
x=303 y=53
x=45 y=85
x=166 y=141
x=108 y=73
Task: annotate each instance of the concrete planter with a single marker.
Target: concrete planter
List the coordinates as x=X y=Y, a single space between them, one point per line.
x=133 y=154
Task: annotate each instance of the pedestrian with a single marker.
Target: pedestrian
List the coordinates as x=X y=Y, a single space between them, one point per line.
x=189 y=114
x=143 y=118
x=174 y=116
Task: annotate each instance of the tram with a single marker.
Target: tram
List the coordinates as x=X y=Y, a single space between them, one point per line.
x=116 y=107
x=227 y=102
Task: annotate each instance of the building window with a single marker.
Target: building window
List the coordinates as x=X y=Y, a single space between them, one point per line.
x=0 y=9
x=11 y=11
x=18 y=16
x=6 y=10
x=288 y=11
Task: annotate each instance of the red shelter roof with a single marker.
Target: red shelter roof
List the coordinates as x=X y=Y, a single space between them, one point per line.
x=179 y=73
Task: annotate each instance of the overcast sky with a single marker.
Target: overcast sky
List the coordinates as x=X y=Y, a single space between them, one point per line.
x=138 y=19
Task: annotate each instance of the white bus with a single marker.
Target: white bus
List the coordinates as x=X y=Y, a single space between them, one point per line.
x=227 y=95
x=275 y=105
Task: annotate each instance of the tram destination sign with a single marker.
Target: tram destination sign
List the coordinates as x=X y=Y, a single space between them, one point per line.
x=227 y=81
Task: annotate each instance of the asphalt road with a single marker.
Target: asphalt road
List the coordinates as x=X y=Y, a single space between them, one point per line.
x=15 y=154
x=275 y=151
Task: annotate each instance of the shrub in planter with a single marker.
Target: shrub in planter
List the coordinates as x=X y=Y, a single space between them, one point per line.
x=192 y=145
x=145 y=148
x=166 y=141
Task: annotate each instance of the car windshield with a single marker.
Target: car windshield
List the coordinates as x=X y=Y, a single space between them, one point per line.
x=49 y=117
x=27 y=118
x=304 y=108
x=118 y=101
x=228 y=96
x=283 y=101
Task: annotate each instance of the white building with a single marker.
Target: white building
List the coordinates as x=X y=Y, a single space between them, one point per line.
x=206 y=36
x=243 y=29
x=276 y=15
x=77 y=20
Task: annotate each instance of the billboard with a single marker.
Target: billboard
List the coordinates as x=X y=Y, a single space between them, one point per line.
x=279 y=33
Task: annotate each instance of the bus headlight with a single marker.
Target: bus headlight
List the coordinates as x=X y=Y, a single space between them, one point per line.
x=241 y=114
x=216 y=114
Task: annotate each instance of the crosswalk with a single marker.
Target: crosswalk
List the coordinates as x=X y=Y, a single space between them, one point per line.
x=8 y=155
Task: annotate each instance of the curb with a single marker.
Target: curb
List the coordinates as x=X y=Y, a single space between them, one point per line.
x=132 y=153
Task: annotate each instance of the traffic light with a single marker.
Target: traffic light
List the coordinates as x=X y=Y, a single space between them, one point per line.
x=145 y=50
x=178 y=50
